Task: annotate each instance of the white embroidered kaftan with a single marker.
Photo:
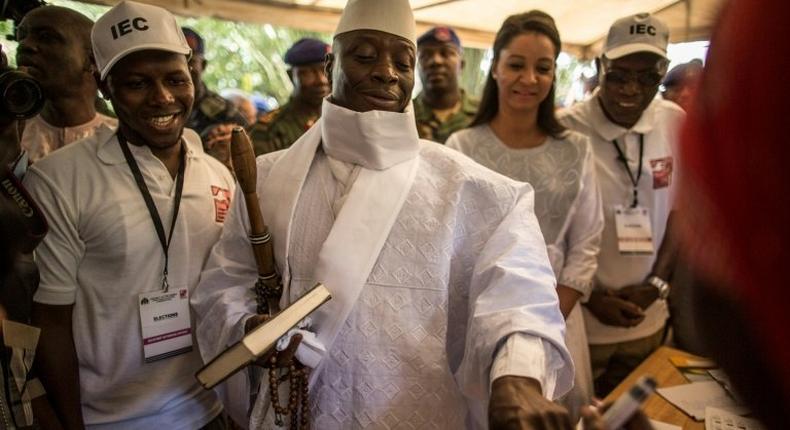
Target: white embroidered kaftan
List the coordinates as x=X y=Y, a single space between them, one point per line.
x=462 y=269
x=568 y=208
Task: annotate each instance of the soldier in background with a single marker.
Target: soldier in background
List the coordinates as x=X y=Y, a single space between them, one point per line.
x=442 y=107
x=282 y=127
x=212 y=117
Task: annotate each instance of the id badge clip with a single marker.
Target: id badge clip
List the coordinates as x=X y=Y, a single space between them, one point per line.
x=165 y=322
x=634 y=231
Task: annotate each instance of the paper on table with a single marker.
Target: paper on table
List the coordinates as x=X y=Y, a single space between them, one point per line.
x=693 y=398
x=719 y=419
x=658 y=425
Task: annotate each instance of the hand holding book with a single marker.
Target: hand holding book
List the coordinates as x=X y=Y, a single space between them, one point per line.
x=282 y=358
x=261 y=340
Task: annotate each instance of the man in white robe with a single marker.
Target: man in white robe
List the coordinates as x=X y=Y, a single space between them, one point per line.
x=444 y=312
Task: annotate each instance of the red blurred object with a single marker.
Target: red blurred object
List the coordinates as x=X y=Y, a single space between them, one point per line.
x=736 y=181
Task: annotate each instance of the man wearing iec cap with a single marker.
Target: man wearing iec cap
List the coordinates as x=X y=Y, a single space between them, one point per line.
x=133 y=214
x=633 y=136
x=282 y=127
x=443 y=297
x=442 y=107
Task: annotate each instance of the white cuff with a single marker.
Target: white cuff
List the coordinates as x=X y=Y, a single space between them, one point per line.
x=525 y=355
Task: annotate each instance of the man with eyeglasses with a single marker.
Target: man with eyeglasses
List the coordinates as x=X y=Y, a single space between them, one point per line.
x=633 y=134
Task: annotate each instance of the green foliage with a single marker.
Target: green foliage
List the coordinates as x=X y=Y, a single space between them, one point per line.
x=248 y=56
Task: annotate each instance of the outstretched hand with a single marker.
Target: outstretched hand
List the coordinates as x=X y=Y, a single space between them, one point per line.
x=517 y=403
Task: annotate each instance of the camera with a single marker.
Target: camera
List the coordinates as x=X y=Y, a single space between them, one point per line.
x=15 y=10
x=20 y=95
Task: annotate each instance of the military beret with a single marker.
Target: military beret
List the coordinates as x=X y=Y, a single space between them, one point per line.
x=441 y=35
x=194 y=40
x=306 y=51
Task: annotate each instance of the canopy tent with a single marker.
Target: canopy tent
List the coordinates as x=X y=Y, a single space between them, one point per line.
x=582 y=23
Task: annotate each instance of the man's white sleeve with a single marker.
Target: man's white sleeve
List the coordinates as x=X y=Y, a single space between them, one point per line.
x=513 y=292
x=59 y=254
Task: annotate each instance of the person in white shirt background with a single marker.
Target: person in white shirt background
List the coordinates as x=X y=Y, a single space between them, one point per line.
x=516 y=133
x=633 y=136
x=55 y=48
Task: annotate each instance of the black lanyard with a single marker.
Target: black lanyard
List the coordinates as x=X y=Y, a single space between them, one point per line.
x=622 y=157
x=149 y=201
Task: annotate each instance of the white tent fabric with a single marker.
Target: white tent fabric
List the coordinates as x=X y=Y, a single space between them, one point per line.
x=582 y=23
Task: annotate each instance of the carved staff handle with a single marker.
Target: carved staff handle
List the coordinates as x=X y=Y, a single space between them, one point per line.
x=268 y=288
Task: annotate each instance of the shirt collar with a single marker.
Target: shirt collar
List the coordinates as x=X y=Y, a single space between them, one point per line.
x=109 y=151
x=611 y=131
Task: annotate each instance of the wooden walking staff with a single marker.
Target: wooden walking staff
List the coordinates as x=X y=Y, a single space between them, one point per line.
x=269 y=287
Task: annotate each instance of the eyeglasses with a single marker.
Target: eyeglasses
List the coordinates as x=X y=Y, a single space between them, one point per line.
x=622 y=77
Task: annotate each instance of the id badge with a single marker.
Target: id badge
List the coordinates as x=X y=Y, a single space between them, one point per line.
x=167 y=328
x=634 y=232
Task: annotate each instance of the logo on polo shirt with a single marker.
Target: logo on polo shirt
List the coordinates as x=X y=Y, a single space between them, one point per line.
x=221 y=203
x=127 y=26
x=662 y=172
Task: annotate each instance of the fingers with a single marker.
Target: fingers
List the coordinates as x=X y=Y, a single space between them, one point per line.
x=285 y=356
x=629 y=309
x=254 y=322
x=223 y=139
x=592 y=419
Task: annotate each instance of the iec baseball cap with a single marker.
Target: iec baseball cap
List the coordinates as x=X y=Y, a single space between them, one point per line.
x=637 y=33
x=130 y=27
x=441 y=35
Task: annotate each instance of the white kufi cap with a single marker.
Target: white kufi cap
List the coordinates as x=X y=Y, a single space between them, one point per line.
x=130 y=27
x=389 y=16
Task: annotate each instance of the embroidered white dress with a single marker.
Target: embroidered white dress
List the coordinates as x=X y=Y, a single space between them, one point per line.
x=568 y=208
x=462 y=272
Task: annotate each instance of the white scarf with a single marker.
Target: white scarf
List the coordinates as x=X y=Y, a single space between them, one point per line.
x=385 y=145
x=375 y=139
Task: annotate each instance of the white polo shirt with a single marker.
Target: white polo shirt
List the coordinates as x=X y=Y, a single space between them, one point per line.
x=102 y=251
x=659 y=124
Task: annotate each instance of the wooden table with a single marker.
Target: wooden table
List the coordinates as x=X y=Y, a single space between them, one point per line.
x=656 y=408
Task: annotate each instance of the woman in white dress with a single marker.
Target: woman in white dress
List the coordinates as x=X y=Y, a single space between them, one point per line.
x=516 y=133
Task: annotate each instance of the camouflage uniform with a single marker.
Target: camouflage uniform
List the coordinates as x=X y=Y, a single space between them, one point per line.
x=279 y=129
x=213 y=110
x=429 y=127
